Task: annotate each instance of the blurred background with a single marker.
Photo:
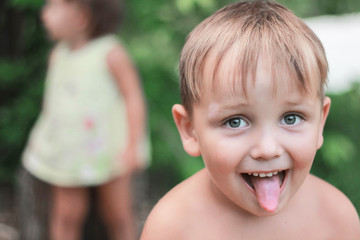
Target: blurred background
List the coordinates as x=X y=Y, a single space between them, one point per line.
x=154 y=32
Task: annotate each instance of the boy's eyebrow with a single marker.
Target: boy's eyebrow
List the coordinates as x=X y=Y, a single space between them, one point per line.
x=298 y=100
x=229 y=105
x=293 y=102
x=215 y=109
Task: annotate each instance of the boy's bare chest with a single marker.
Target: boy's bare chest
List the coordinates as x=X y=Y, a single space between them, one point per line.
x=217 y=227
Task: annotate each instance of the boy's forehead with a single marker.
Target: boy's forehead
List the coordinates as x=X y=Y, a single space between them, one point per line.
x=225 y=77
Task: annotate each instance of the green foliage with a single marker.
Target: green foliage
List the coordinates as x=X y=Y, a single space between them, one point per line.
x=310 y=8
x=337 y=149
x=21 y=80
x=27 y=4
x=154 y=33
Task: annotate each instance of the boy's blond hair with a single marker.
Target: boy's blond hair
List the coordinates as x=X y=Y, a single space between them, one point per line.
x=250 y=30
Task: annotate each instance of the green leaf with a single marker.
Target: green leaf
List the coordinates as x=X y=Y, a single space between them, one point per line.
x=30 y=4
x=337 y=149
x=185 y=6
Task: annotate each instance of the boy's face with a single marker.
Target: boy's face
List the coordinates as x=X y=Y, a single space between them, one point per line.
x=275 y=131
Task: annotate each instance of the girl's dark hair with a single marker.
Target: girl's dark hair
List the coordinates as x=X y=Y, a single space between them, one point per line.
x=105 y=15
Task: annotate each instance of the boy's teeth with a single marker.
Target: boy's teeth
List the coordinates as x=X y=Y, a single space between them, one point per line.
x=262 y=175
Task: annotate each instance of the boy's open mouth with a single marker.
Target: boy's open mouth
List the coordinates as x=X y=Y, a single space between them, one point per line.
x=249 y=176
x=267 y=187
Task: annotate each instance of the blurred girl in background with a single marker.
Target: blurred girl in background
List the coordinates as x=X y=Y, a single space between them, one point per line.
x=91 y=130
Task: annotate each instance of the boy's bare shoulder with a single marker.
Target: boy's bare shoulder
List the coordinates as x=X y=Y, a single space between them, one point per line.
x=334 y=209
x=170 y=218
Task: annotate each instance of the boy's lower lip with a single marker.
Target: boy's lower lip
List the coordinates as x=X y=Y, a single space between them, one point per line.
x=283 y=177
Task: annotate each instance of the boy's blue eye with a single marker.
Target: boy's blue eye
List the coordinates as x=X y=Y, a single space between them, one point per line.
x=236 y=122
x=291 y=119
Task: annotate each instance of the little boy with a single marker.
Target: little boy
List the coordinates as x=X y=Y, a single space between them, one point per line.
x=253 y=106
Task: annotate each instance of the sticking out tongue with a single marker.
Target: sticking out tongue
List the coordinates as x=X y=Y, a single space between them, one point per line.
x=267 y=191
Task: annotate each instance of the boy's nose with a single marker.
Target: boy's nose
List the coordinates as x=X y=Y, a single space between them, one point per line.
x=265 y=146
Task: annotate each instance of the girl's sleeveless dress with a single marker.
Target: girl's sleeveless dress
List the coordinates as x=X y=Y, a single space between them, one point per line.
x=82 y=129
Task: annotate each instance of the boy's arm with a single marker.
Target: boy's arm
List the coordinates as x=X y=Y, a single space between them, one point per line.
x=130 y=87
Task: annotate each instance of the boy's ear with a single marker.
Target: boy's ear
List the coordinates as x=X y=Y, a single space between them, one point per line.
x=324 y=115
x=185 y=127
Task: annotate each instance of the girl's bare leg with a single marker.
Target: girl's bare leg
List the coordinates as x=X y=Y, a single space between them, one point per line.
x=115 y=200
x=69 y=209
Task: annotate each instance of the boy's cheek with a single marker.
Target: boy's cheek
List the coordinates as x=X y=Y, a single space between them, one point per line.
x=304 y=156
x=223 y=158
